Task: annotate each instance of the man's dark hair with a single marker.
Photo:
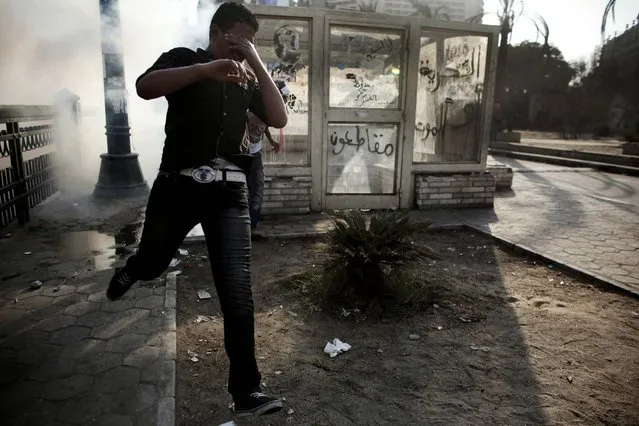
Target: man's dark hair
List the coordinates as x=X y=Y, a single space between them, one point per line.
x=229 y=14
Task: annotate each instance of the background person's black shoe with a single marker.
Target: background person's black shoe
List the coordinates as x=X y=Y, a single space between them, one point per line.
x=256 y=404
x=120 y=284
x=256 y=237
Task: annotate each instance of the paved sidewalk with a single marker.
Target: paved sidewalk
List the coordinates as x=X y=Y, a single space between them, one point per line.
x=70 y=357
x=597 y=236
x=587 y=231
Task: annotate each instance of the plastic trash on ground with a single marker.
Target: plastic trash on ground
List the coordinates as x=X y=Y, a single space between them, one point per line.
x=203 y=295
x=480 y=348
x=336 y=347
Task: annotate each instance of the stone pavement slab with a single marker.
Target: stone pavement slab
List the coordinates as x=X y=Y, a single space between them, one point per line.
x=70 y=357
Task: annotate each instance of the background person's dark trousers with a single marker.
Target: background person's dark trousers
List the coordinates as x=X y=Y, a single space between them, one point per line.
x=177 y=204
x=256 y=189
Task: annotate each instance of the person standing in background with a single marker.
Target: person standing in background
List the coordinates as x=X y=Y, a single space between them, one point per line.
x=257 y=129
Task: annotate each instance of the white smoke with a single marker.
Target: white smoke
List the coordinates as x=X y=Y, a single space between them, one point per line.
x=49 y=45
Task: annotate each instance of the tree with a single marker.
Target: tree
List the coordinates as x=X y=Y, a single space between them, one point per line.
x=368 y=5
x=509 y=13
x=422 y=9
x=534 y=70
x=537 y=68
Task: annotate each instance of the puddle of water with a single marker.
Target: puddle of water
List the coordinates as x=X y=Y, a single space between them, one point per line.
x=90 y=244
x=101 y=250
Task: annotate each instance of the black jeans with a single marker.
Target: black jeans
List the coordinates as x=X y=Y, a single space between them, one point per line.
x=177 y=204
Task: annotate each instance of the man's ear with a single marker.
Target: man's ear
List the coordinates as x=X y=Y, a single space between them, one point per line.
x=214 y=32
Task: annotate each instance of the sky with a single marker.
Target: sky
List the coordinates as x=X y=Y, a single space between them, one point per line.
x=574 y=24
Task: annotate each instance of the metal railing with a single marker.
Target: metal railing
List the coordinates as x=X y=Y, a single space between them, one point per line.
x=27 y=160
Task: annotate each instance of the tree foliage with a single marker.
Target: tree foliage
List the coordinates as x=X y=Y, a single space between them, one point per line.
x=427 y=11
x=609 y=10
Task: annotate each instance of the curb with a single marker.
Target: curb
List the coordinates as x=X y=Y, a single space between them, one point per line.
x=295 y=235
x=590 y=276
x=166 y=405
x=569 y=162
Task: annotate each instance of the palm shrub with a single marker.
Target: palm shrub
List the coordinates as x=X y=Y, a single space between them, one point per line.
x=363 y=254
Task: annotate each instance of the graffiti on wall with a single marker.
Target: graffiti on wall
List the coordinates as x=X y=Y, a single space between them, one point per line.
x=365 y=93
x=450 y=89
x=286 y=44
x=361 y=64
x=372 y=139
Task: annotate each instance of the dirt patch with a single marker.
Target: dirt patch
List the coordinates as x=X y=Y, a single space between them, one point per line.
x=510 y=341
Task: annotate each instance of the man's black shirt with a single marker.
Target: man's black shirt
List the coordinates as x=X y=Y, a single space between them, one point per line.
x=207 y=118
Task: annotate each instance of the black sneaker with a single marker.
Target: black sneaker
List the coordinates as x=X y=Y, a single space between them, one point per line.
x=256 y=404
x=120 y=284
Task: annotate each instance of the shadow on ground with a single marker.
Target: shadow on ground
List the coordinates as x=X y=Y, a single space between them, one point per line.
x=471 y=364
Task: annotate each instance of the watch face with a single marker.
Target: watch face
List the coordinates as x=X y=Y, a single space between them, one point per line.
x=204 y=174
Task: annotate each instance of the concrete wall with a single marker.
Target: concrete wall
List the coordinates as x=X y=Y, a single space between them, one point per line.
x=434 y=191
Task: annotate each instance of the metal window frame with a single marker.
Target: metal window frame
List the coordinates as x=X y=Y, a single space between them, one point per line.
x=320 y=112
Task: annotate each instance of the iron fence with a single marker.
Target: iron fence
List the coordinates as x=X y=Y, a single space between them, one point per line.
x=27 y=160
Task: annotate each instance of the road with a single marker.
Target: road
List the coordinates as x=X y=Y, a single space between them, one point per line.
x=608 y=187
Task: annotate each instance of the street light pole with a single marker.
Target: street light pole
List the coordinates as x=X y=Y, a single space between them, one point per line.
x=120 y=173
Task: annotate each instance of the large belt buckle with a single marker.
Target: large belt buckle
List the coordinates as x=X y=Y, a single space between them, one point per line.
x=204 y=174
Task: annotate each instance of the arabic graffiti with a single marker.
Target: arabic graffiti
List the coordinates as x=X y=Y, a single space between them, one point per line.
x=450 y=93
x=432 y=77
x=295 y=105
x=387 y=43
x=455 y=66
x=364 y=90
x=362 y=137
x=427 y=130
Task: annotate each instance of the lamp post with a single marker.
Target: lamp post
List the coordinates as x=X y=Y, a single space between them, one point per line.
x=120 y=173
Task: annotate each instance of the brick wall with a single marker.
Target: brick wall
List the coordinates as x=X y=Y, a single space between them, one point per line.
x=503 y=176
x=287 y=195
x=434 y=191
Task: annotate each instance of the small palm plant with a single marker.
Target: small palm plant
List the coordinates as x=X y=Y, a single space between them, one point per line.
x=364 y=252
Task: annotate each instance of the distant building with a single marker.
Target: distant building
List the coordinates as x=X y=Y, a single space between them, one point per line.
x=624 y=45
x=620 y=61
x=457 y=10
